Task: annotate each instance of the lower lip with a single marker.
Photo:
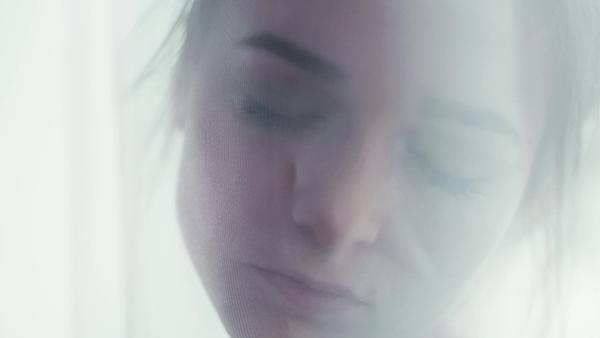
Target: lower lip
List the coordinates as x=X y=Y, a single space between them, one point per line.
x=302 y=297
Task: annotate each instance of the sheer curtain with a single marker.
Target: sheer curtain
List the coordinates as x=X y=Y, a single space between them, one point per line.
x=87 y=247
x=61 y=272
x=34 y=217
x=78 y=258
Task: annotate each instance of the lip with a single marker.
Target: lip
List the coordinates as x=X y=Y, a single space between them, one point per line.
x=310 y=296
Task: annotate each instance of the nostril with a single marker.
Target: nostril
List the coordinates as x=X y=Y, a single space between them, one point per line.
x=308 y=232
x=322 y=228
x=310 y=223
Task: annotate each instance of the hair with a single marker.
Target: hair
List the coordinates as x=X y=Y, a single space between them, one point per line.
x=574 y=30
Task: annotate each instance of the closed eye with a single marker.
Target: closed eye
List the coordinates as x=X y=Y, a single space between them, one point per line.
x=272 y=120
x=458 y=186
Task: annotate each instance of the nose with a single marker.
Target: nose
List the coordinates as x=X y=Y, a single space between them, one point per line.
x=338 y=197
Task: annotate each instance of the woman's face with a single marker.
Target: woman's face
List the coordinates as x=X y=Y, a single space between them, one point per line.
x=349 y=165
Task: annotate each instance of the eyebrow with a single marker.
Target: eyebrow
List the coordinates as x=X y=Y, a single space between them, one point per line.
x=478 y=118
x=301 y=58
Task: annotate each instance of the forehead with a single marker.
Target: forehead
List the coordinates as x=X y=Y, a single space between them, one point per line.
x=350 y=30
x=465 y=50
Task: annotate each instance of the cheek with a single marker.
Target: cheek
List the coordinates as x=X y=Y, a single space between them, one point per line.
x=459 y=233
x=232 y=177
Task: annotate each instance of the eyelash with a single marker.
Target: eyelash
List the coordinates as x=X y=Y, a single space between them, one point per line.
x=459 y=187
x=274 y=121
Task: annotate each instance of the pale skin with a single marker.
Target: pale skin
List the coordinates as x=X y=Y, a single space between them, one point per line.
x=392 y=162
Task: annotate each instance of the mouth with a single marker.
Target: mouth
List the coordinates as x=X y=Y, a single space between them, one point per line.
x=310 y=296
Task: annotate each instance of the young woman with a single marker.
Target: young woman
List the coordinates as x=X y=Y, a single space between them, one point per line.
x=351 y=167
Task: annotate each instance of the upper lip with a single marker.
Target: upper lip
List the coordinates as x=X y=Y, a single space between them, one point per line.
x=333 y=289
